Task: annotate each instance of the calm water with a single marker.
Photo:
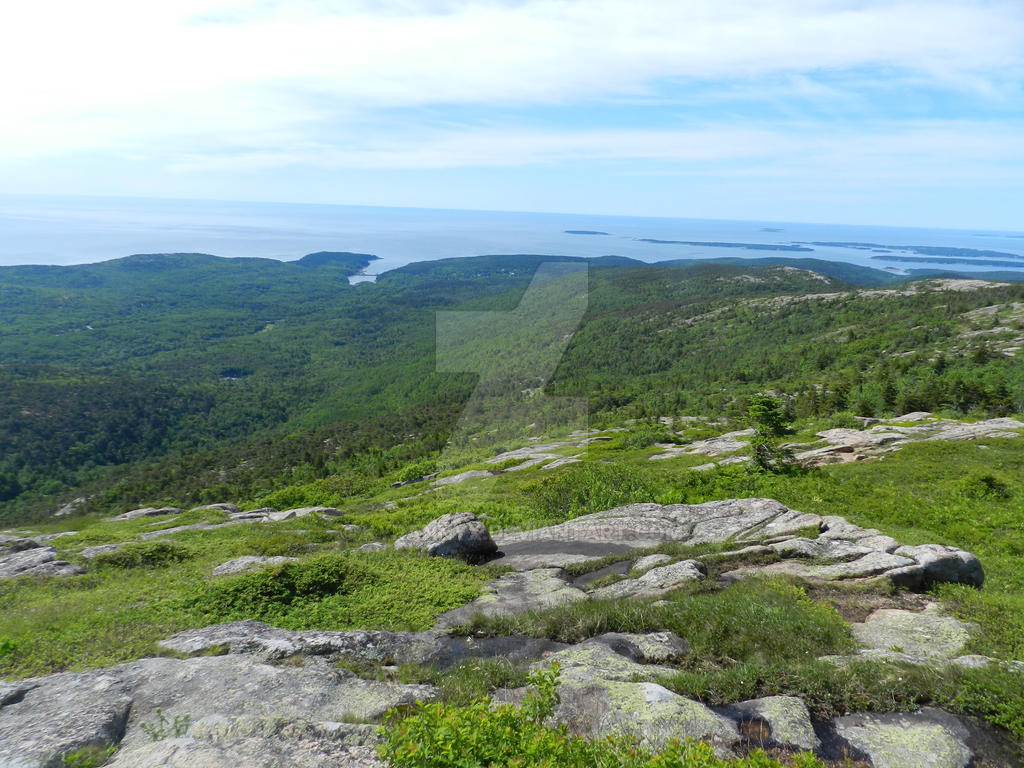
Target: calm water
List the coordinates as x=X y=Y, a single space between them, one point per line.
x=51 y=230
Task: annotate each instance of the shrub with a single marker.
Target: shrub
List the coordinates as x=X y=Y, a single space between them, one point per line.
x=153 y=554
x=584 y=488
x=481 y=735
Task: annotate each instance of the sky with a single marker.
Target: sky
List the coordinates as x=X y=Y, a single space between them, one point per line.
x=845 y=111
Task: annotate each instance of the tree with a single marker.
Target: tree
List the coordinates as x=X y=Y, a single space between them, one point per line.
x=770 y=422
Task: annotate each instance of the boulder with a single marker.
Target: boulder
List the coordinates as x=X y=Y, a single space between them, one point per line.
x=786 y=716
x=373 y=546
x=249 y=563
x=11 y=544
x=455 y=535
x=648 y=712
x=518 y=593
x=36 y=561
x=936 y=564
x=654 y=583
x=925 y=739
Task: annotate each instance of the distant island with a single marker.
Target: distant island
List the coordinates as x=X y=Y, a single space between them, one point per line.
x=947 y=260
x=771 y=229
x=944 y=252
x=746 y=246
x=584 y=232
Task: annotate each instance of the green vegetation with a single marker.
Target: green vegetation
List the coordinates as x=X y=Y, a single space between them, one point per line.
x=480 y=734
x=194 y=379
x=88 y=757
x=750 y=620
x=770 y=423
x=281 y=385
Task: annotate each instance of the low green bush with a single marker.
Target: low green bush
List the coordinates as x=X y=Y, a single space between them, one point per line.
x=481 y=735
x=391 y=590
x=152 y=554
x=589 y=487
x=753 y=619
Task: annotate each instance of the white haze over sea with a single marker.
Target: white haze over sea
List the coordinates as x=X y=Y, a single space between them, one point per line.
x=77 y=230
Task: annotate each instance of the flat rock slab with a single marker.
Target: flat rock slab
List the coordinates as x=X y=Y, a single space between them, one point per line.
x=374 y=647
x=926 y=739
x=249 y=563
x=638 y=526
x=517 y=593
x=225 y=706
x=654 y=583
x=42 y=720
x=144 y=512
x=924 y=635
x=461 y=477
x=294 y=750
x=786 y=716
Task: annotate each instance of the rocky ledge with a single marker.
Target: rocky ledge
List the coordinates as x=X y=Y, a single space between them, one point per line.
x=275 y=697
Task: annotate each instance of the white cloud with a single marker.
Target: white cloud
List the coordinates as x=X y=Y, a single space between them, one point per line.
x=189 y=75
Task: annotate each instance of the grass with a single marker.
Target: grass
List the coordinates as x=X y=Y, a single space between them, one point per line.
x=754 y=638
x=751 y=620
x=113 y=613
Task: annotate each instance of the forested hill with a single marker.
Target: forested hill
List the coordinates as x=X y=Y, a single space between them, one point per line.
x=185 y=374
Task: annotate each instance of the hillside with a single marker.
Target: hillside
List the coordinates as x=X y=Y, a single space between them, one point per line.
x=509 y=511
x=128 y=367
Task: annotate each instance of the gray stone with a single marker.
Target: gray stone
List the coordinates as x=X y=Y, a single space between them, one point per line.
x=71 y=507
x=787 y=716
x=254 y=638
x=461 y=477
x=37 y=561
x=937 y=564
x=455 y=535
x=820 y=549
x=11 y=544
x=101 y=549
x=322 y=511
x=249 y=563
x=649 y=561
x=924 y=635
x=48 y=537
x=295 y=747
x=144 y=512
x=654 y=583
x=641 y=526
x=59 y=714
x=926 y=739
x=373 y=546
x=221 y=506
x=650 y=648
x=517 y=593
x=648 y=712
x=148 y=535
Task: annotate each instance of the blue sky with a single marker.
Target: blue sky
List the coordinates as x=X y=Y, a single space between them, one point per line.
x=850 y=111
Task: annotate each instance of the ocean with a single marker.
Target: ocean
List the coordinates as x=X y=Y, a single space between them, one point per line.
x=76 y=230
